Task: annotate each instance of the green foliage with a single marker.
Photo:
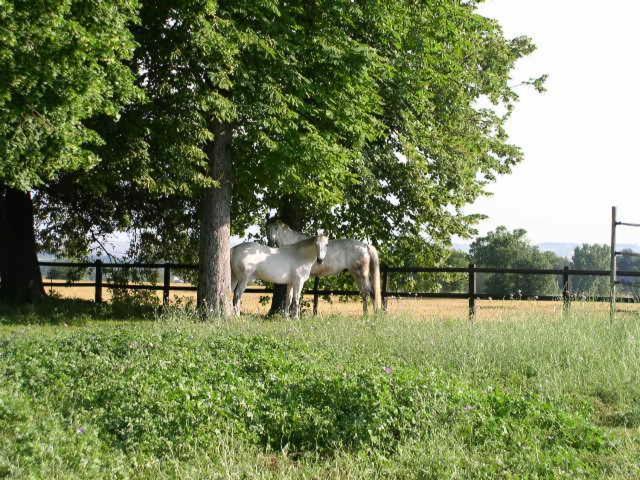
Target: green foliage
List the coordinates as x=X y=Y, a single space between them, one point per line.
x=629 y=285
x=439 y=149
x=456 y=282
x=364 y=116
x=504 y=249
x=154 y=400
x=126 y=276
x=58 y=311
x=591 y=257
x=411 y=252
x=60 y=64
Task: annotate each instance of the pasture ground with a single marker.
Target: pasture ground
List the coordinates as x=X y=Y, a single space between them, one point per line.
x=92 y=391
x=423 y=308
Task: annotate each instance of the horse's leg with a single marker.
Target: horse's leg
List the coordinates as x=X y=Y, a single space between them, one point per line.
x=288 y=299
x=237 y=294
x=234 y=281
x=362 y=280
x=297 y=290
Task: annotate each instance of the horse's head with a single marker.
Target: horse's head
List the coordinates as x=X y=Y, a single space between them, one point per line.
x=273 y=227
x=280 y=234
x=322 y=241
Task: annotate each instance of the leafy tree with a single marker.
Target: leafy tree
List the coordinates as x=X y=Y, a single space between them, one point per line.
x=408 y=253
x=438 y=149
x=504 y=249
x=60 y=64
x=253 y=97
x=591 y=257
x=597 y=257
x=358 y=117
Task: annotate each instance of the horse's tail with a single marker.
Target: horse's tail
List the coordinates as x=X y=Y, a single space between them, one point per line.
x=374 y=272
x=234 y=279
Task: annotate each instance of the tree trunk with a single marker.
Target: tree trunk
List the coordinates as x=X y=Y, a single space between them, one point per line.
x=20 y=278
x=214 y=283
x=293 y=217
x=4 y=246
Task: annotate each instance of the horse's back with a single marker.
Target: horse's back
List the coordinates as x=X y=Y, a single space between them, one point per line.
x=342 y=254
x=249 y=254
x=259 y=261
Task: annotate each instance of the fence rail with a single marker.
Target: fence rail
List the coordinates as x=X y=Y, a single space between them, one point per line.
x=471 y=295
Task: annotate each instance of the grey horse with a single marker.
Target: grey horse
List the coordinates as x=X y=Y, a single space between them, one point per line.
x=359 y=258
x=289 y=265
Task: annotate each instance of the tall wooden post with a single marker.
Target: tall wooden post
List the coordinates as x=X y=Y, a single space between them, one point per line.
x=472 y=292
x=613 y=266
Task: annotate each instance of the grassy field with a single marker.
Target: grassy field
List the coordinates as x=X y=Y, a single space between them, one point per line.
x=414 y=308
x=94 y=392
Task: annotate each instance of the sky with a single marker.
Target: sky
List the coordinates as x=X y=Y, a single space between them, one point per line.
x=580 y=138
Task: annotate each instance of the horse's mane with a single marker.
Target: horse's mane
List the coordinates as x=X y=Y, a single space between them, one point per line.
x=306 y=241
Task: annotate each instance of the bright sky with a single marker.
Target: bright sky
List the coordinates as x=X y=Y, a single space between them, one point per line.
x=580 y=138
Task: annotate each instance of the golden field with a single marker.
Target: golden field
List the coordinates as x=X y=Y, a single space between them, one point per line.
x=418 y=308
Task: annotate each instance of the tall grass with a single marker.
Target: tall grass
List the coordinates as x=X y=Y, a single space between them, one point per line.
x=526 y=396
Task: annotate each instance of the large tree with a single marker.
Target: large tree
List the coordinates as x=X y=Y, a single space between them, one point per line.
x=376 y=120
x=264 y=96
x=60 y=64
x=444 y=100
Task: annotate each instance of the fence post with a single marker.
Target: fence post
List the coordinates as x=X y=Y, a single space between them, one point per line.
x=385 y=287
x=166 y=285
x=613 y=279
x=98 y=295
x=472 y=292
x=566 y=292
x=316 y=297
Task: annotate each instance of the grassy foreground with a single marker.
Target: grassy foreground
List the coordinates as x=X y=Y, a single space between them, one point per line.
x=526 y=397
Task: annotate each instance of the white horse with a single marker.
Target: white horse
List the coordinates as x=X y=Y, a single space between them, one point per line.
x=359 y=258
x=290 y=265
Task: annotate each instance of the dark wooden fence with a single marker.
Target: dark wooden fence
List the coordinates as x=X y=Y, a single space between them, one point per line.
x=471 y=271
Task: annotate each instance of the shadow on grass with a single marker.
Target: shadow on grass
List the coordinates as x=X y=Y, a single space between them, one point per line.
x=57 y=311
x=622 y=419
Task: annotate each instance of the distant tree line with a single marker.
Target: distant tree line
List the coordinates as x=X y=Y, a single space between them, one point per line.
x=512 y=249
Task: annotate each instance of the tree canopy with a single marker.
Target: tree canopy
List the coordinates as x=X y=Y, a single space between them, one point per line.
x=375 y=120
x=61 y=63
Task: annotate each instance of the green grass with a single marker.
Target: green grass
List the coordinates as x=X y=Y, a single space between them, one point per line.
x=385 y=397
